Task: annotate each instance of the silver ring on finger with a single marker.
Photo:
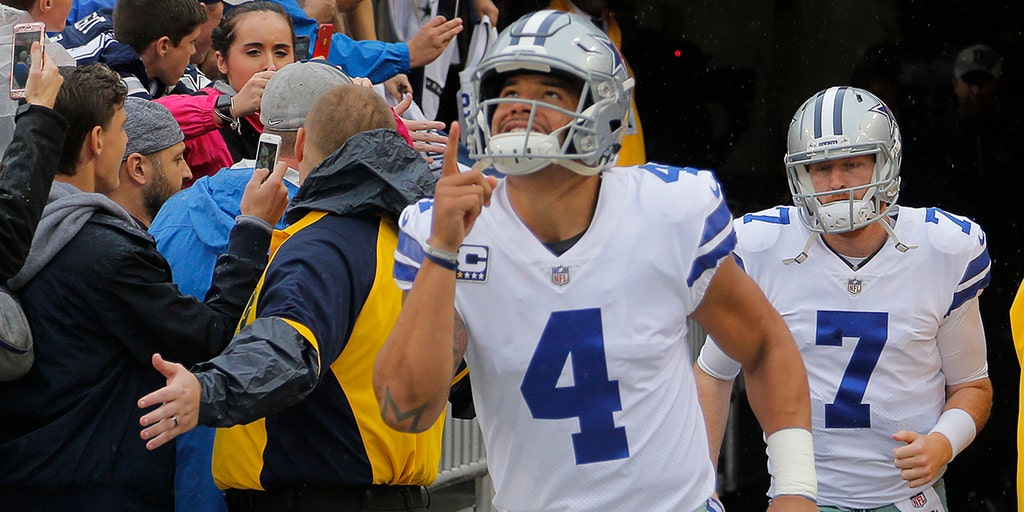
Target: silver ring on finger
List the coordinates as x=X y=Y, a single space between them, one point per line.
x=174 y=419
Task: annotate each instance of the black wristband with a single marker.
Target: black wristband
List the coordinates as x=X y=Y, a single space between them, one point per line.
x=441 y=262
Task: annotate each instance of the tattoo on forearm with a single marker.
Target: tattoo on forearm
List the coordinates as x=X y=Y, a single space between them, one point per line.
x=399 y=417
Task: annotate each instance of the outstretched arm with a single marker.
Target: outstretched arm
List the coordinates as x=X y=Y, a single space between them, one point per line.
x=415 y=366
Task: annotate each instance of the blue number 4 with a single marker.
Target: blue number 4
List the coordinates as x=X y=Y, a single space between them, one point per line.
x=872 y=329
x=592 y=398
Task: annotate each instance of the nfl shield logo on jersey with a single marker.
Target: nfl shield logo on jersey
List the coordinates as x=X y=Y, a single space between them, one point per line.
x=854 y=286
x=560 y=275
x=918 y=500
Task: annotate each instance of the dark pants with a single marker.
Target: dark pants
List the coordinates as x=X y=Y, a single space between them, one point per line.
x=412 y=498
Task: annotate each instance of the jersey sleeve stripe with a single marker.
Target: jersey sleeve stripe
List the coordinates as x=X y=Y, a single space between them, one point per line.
x=712 y=258
x=409 y=247
x=976 y=266
x=404 y=273
x=716 y=222
x=962 y=296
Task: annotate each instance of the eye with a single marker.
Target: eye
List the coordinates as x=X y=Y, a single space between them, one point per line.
x=509 y=93
x=282 y=53
x=253 y=52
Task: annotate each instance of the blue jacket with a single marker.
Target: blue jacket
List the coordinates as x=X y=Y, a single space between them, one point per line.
x=192 y=227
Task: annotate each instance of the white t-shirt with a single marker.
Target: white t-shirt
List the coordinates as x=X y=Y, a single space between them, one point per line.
x=580 y=364
x=880 y=343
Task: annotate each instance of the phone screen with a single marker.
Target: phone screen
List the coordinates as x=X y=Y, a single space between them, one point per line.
x=301 y=47
x=22 y=58
x=266 y=155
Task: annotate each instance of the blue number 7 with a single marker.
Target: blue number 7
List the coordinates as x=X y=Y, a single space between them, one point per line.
x=592 y=398
x=872 y=329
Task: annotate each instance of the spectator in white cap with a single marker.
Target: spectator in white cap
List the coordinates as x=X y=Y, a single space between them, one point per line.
x=976 y=77
x=153 y=168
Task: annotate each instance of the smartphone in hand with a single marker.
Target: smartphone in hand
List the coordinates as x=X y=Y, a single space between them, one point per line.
x=267 y=150
x=21 y=57
x=301 y=48
x=323 y=40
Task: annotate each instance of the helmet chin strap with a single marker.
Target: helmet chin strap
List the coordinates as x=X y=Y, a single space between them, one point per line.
x=900 y=246
x=884 y=221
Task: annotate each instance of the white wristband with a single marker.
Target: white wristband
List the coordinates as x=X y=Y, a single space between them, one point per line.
x=958 y=427
x=791 y=463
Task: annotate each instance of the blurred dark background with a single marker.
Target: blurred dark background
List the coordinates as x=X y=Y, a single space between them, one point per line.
x=717 y=84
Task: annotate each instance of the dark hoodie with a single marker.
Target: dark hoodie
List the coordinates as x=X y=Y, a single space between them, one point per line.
x=100 y=302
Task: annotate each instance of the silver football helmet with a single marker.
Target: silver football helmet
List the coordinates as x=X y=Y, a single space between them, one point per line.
x=562 y=44
x=842 y=122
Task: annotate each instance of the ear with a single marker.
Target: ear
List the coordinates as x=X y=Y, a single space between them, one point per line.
x=136 y=168
x=94 y=141
x=222 y=63
x=162 y=46
x=45 y=6
x=300 y=144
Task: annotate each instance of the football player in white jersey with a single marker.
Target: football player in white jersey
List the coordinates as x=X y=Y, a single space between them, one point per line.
x=567 y=286
x=883 y=303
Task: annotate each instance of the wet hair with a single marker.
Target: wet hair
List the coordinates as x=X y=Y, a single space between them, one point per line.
x=89 y=97
x=24 y=5
x=344 y=111
x=224 y=34
x=138 y=23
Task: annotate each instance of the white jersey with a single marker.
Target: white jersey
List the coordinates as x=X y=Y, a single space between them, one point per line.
x=868 y=337
x=580 y=363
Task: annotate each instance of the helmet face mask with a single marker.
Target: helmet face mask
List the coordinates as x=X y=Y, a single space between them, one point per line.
x=843 y=122
x=566 y=46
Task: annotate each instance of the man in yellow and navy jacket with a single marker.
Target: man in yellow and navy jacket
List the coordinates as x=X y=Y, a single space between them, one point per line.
x=294 y=385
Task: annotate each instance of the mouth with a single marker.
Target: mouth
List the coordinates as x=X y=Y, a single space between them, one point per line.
x=518 y=126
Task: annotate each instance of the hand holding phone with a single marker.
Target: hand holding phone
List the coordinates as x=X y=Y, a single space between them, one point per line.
x=323 y=41
x=267 y=150
x=44 y=79
x=21 y=55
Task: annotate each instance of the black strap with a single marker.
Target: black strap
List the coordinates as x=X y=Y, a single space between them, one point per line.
x=329 y=499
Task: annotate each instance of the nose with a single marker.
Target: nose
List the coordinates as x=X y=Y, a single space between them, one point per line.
x=837 y=180
x=186 y=173
x=520 y=106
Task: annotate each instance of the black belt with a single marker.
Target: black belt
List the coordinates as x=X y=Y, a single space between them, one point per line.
x=329 y=499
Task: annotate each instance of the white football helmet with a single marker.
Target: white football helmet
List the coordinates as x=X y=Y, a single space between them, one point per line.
x=841 y=122
x=563 y=44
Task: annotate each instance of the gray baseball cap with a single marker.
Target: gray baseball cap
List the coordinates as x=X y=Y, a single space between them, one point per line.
x=290 y=93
